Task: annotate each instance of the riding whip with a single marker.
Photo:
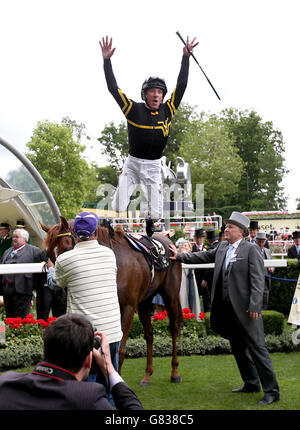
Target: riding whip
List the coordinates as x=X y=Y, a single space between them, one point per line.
x=181 y=38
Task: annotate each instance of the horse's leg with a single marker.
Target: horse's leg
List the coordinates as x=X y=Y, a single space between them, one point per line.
x=144 y=311
x=170 y=293
x=127 y=314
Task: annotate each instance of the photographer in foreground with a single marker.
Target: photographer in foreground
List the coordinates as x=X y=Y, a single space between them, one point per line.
x=56 y=383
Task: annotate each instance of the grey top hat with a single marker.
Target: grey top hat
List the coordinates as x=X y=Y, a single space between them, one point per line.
x=261 y=235
x=238 y=219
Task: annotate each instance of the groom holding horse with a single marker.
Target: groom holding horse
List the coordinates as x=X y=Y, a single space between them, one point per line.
x=89 y=273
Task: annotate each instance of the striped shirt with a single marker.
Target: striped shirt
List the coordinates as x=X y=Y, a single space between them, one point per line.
x=89 y=271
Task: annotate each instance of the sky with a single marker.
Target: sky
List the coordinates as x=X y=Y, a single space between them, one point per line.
x=52 y=67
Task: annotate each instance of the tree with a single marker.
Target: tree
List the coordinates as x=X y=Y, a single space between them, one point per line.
x=55 y=150
x=115 y=144
x=261 y=148
x=213 y=159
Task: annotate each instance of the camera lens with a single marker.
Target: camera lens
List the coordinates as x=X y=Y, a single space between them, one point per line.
x=97 y=342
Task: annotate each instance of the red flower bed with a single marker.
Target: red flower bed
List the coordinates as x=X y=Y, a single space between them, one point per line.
x=22 y=327
x=186 y=313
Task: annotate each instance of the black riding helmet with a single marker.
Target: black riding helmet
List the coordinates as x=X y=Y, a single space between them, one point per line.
x=153 y=82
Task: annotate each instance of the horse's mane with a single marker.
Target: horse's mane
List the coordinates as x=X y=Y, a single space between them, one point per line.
x=105 y=236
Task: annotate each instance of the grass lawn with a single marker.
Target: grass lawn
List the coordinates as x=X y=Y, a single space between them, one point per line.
x=207 y=382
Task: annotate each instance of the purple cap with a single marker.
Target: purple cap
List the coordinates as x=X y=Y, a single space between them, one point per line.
x=85 y=224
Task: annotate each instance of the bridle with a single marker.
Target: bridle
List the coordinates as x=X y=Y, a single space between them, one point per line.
x=68 y=233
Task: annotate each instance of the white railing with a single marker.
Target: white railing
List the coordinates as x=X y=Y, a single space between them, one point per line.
x=267 y=263
x=40 y=267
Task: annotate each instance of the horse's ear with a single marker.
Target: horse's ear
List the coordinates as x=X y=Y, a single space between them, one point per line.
x=64 y=222
x=44 y=227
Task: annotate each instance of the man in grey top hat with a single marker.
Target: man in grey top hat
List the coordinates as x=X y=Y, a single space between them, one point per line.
x=236 y=304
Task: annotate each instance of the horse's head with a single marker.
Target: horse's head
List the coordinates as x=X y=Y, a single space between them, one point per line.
x=60 y=238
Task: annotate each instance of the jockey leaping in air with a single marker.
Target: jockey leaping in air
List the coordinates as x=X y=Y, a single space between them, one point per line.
x=148 y=126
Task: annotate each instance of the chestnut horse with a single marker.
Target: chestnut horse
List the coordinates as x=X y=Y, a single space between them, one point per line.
x=135 y=288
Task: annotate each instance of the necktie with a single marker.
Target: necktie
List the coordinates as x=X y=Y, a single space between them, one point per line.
x=228 y=255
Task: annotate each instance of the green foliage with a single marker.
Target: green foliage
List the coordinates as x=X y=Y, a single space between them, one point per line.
x=207 y=147
x=273 y=323
x=55 y=150
x=115 y=144
x=281 y=292
x=22 y=353
x=261 y=147
x=162 y=345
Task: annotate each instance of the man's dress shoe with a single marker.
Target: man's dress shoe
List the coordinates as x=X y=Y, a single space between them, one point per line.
x=246 y=389
x=268 y=399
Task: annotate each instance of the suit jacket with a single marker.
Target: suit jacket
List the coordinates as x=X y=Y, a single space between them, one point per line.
x=267 y=256
x=245 y=286
x=5 y=244
x=209 y=273
x=29 y=254
x=28 y=391
x=292 y=252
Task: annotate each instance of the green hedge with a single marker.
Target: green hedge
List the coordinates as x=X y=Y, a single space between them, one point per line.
x=282 y=292
x=273 y=323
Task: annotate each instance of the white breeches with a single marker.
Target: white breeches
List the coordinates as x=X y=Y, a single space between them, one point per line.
x=143 y=176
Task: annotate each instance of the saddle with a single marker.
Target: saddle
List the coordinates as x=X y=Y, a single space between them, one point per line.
x=154 y=250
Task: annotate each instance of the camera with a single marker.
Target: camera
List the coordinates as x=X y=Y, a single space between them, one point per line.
x=97 y=343
x=94 y=367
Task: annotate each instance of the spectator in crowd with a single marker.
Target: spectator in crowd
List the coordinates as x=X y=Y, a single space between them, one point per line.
x=56 y=383
x=17 y=288
x=253 y=230
x=5 y=238
x=89 y=272
x=48 y=300
x=209 y=273
x=21 y=224
x=261 y=238
x=294 y=250
x=237 y=298
x=189 y=297
x=221 y=233
x=199 y=245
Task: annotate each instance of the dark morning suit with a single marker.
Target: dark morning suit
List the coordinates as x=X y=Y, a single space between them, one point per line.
x=292 y=252
x=199 y=274
x=209 y=273
x=17 y=289
x=5 y=243
x=28 y=391
x=234 y=291
x=266 y=254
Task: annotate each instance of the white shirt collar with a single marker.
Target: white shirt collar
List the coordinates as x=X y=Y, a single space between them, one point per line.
x=236 y=244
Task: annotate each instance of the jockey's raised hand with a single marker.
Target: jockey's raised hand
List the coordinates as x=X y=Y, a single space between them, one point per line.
x=189 y=47
x=106 y=46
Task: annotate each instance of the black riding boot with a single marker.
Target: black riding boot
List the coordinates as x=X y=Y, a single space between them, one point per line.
x=150 y=229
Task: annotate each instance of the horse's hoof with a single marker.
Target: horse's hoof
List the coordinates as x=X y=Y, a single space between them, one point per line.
x=144 y=383
x=176 y=379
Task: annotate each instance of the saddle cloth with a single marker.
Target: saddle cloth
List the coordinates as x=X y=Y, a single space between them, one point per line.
x=154 y=250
